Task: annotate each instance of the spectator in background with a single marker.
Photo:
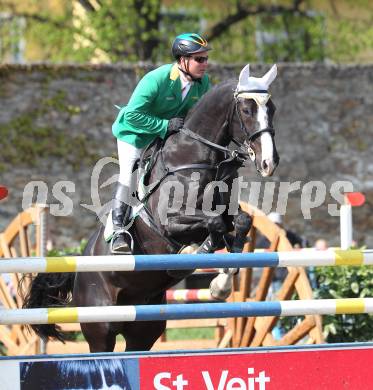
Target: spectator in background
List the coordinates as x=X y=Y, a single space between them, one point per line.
x=321 y=244
x=295 y=240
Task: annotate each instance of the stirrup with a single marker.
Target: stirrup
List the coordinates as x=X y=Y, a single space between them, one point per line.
x=118 y=233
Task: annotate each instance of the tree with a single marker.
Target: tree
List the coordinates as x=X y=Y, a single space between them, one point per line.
x=240 y=30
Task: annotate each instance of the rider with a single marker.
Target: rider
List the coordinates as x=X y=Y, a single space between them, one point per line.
x=157 y=108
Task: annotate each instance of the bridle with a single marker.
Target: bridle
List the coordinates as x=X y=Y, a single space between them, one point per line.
x=245 y=148
x=261 y=97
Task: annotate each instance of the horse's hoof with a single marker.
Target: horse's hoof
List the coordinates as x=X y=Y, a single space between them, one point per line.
x=219 y=292
x=220 y=295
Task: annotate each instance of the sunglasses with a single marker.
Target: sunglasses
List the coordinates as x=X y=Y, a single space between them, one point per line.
x=200 y=60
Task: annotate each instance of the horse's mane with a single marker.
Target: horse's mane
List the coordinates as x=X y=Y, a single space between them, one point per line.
x=216 y=92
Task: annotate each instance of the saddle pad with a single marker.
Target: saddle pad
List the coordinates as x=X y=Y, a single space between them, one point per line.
x=109 y=228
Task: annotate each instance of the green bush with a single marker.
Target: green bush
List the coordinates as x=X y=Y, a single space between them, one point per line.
x=345 y=282
x=78 y=250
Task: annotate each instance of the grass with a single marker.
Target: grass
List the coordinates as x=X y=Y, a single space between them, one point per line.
x=190 y=334
x=175 y=334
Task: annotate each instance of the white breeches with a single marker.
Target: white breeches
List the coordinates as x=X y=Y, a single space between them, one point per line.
x=128 y=154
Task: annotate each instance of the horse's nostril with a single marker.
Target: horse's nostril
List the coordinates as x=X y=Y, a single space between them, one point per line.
x=264 y=165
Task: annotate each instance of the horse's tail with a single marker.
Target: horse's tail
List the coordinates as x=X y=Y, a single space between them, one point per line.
x=49 y=290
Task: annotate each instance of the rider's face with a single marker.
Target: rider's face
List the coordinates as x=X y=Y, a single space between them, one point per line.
x=196 y=64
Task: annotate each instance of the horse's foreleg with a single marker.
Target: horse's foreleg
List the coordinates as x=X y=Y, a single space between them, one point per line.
x=242 y=225
x=221 y=286
x=217 y=228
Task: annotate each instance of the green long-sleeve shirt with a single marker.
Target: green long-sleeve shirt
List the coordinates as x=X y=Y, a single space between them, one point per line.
x=155 y=100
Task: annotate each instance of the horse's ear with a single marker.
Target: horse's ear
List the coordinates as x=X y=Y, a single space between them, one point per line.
x=270 y=76
x=244 y=77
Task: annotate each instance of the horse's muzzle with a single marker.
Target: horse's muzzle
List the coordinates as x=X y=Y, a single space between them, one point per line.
x=267 y=167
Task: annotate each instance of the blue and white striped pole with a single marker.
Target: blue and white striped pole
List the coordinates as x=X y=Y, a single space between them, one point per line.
x=183 y=311
x=186 y=261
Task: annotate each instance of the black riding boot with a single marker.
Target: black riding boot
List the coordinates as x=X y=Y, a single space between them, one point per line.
x=121 y=212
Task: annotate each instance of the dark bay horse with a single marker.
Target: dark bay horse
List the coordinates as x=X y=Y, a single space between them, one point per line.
x=190 y=202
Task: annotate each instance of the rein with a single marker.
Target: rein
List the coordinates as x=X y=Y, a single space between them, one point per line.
x=230 y=156
x=227 y=152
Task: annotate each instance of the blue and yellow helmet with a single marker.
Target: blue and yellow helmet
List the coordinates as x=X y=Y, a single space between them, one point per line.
x=187 y=44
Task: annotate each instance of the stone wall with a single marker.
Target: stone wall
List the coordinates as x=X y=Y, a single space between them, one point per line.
x=55 y=124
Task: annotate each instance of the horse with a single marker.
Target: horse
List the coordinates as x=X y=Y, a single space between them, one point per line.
x=231 y=124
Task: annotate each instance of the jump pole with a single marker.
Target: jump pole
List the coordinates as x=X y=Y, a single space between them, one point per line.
x=330 y=257
x=183 y=311
x=189 y=295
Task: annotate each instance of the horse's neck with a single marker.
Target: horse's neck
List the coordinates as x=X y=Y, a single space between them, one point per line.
x=209 y=117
